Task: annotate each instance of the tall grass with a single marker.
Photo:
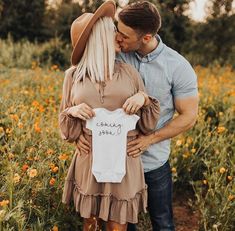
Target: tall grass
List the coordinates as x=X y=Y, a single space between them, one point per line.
x=34 y=160
x=24 y=54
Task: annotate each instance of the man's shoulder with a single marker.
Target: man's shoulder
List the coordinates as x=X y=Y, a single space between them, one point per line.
x=173 y=56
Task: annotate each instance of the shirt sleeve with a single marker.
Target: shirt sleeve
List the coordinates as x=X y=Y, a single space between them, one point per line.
x=70 y=127
x=184 y=82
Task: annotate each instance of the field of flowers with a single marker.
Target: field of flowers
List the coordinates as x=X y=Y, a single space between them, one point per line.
x=34 y=160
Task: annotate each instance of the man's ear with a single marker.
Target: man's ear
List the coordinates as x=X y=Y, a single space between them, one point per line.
x=147 y=38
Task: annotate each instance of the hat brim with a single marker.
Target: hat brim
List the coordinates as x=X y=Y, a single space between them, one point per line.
x=107 y=9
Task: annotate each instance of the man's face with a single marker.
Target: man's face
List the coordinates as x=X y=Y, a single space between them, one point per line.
x=127 y=38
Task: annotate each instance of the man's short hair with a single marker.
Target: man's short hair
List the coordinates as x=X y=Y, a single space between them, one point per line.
x=142 y=17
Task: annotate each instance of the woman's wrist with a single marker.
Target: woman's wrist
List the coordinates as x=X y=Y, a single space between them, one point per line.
x=146 y=98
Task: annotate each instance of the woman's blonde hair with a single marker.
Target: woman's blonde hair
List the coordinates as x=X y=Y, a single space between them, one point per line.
x=98 y=59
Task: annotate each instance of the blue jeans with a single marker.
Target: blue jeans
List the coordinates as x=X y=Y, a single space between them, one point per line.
x=159 y=183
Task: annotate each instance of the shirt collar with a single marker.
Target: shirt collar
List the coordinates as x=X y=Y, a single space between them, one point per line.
x=152 y=55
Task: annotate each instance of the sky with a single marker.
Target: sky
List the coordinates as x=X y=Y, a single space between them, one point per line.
x=197 y=9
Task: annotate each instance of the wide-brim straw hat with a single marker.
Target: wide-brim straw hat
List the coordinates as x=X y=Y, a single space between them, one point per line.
x=82 y=26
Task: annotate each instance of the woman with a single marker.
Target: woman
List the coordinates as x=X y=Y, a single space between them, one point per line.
x=96 y=81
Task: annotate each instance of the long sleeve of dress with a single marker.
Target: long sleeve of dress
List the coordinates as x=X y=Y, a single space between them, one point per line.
x=70 y=127
x=149 y=114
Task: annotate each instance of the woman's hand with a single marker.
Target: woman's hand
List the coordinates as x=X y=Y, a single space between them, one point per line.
x=134 y=103
x=82 y=111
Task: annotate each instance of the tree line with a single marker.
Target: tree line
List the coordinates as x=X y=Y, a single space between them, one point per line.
x=202 y=42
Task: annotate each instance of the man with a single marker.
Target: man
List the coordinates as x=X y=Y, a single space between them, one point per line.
x=170 y=78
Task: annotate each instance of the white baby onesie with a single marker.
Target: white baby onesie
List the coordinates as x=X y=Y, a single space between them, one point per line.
x=109 y=139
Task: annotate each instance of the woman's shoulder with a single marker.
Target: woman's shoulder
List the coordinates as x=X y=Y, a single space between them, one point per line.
x=126 y=67
x=70 y=70
x=68 y=74
x=123 y=65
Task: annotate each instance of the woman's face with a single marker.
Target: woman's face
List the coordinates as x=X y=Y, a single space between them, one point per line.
x=117 y=46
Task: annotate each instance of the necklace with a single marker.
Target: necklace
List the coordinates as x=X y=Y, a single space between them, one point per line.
x=102 y=85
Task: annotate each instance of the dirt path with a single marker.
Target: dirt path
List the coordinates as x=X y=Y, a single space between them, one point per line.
x=186 y=218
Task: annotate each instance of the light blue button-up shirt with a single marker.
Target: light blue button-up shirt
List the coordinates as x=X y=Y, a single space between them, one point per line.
x=167 y=75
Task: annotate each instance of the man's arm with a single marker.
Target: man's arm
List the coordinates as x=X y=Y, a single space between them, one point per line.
x=187 y=109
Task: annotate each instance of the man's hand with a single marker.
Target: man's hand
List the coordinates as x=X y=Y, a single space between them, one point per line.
x=137 y=146
x=83 y=144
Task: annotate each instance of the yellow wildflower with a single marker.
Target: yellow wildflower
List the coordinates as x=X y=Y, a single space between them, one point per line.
x=52 y=181
x=52 y=165
x=186 y=155
x=204 y=182
x=36 y=158
x=63 y=157
x=14 y=117
x=32 y=149
x=231 y=197
x=11 y=155
x=221 y=129
x=4 y=202
x=54 y=68
x=179 y=143
x=20 y=125
x=222 y=170
x=9 y=130
x=35 y=103
x=229 y=178
x=55 y=228
x=37 y=128
x=16 y=178
x=25 y=167
x=189 y=140
x=34 y=64
x=50 y=151
x=55 y=169
x=41 y=108
x=32 y=173
x=173 y=170
x=2 y=214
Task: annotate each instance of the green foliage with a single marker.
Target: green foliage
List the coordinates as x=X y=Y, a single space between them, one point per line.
x=22 y=19
x=25 y=54
x=55 y=53
x=204 y=156
x=59 y=20
x=32 y=173
x=34 y=160
x=214 y=41
x=204 y=43
x=218 y=8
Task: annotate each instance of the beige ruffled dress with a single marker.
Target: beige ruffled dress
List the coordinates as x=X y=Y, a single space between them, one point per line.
x=119 y=202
